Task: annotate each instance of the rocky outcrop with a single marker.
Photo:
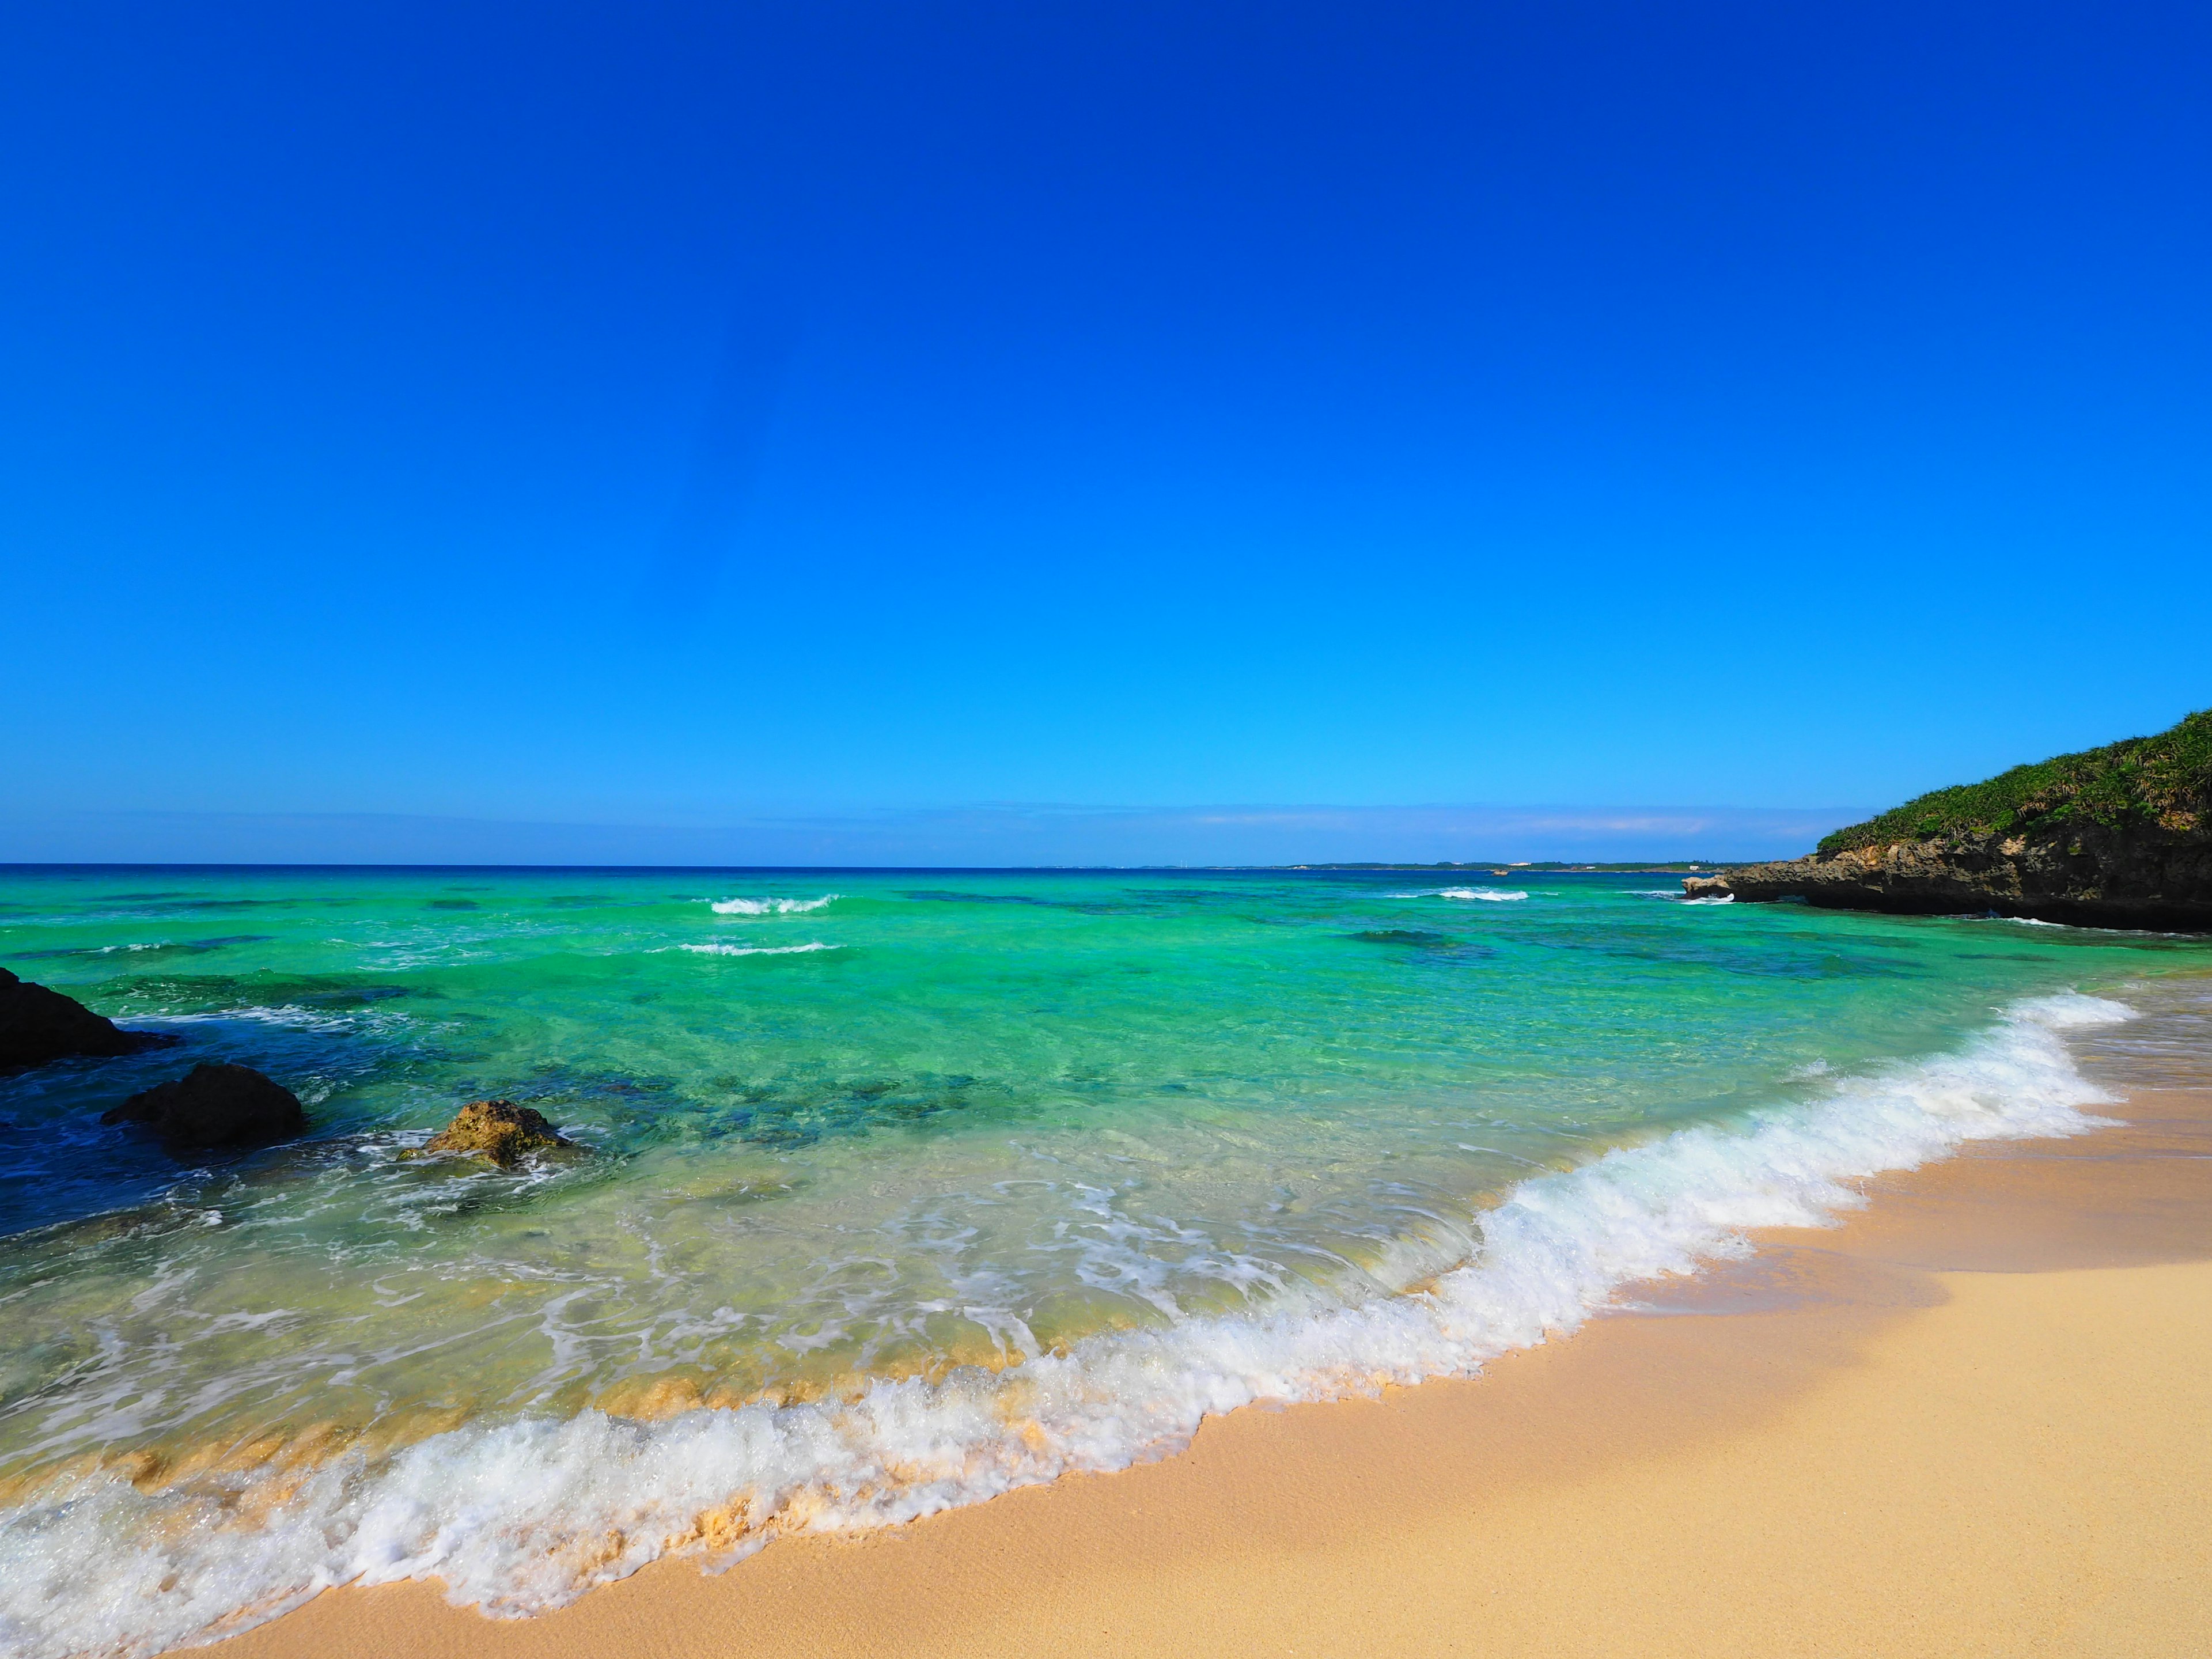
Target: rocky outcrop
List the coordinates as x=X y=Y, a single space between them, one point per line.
x=2088 y=875
x=1712 y=887
x=38 y=1025
x=215 y=1104
x=2119 y=836
x=497 y=1129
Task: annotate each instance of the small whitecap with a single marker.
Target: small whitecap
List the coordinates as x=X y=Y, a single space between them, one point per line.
x=768 y=907
x=757 y=950
x=1494 y=895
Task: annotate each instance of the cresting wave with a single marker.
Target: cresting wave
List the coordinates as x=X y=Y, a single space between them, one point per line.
x=768 y=907
x=521 y=1517
x=1494 y=895
x=757 y=950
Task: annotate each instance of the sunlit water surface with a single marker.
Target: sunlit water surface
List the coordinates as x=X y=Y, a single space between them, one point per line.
x=844 y=1130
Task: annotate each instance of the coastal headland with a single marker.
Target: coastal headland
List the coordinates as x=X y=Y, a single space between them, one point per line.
x=2119 y=836
x=1968 y=1421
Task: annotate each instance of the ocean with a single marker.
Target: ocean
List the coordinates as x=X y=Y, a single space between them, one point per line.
x=894 y=1190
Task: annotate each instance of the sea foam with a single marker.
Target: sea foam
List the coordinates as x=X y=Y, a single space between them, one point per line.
x=755 y=950
x=519 y=1517
x=1494 y=895
x=768 y=907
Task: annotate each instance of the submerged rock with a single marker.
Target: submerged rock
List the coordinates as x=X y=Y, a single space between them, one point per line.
x=215 y=1104
x=38 y=1024
x=497 y=1129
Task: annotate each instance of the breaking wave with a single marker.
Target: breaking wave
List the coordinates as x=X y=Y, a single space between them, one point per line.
x=519 y=1516
x=758 y=950
x=1494 y=895
x=768 y=907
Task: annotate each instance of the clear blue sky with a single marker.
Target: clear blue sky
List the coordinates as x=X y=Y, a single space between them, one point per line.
x=703 y=415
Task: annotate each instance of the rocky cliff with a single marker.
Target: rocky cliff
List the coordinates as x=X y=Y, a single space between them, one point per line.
x=2119 y=836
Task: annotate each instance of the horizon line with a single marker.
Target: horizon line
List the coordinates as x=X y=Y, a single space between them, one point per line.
x=1338 y=867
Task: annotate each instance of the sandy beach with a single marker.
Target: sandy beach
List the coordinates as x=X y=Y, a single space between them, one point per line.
x=890 y=831
x=1971 y=1421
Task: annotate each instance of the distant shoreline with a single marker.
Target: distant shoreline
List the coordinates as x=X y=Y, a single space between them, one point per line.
x=1482 y=866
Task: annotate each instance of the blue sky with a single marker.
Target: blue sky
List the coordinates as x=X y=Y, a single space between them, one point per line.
x=686 y=419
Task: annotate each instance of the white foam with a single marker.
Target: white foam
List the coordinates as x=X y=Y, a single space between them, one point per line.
x=288 y=1015
x=520 y=1516
x=768 y=907
x=1496 y=895
x=757 y=950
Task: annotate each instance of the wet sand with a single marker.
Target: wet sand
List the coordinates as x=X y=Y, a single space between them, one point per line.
x=1975 y=1419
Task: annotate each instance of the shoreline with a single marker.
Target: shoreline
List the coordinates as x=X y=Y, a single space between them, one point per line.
x=1969 y=1419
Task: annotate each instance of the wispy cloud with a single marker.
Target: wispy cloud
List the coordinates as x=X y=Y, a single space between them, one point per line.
x=985 y=835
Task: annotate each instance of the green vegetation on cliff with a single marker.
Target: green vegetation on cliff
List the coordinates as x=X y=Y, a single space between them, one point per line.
x=2164 y=782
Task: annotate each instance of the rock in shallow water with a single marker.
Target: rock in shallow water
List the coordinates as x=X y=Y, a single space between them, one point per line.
x=497 y=1129
x=215 y=1104
x=38 y=1024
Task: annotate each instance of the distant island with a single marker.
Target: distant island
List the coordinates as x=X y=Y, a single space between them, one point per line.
x=2119 y=836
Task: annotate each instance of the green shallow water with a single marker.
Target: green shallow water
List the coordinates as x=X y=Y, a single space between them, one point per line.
x=988 y=1115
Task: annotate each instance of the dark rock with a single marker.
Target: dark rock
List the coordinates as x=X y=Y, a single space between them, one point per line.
x=215 y=1104
x=2117 y=837
x=1706 y=887
x=2089 y=875
x=38 y=1024
x=497 y=1129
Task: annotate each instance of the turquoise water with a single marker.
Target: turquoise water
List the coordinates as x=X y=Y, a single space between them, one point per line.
x=893 y=1188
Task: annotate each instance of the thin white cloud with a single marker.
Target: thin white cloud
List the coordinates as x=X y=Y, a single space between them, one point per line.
x=996 y=834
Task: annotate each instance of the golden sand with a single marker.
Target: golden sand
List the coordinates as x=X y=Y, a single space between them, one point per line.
x=1977 y=1419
